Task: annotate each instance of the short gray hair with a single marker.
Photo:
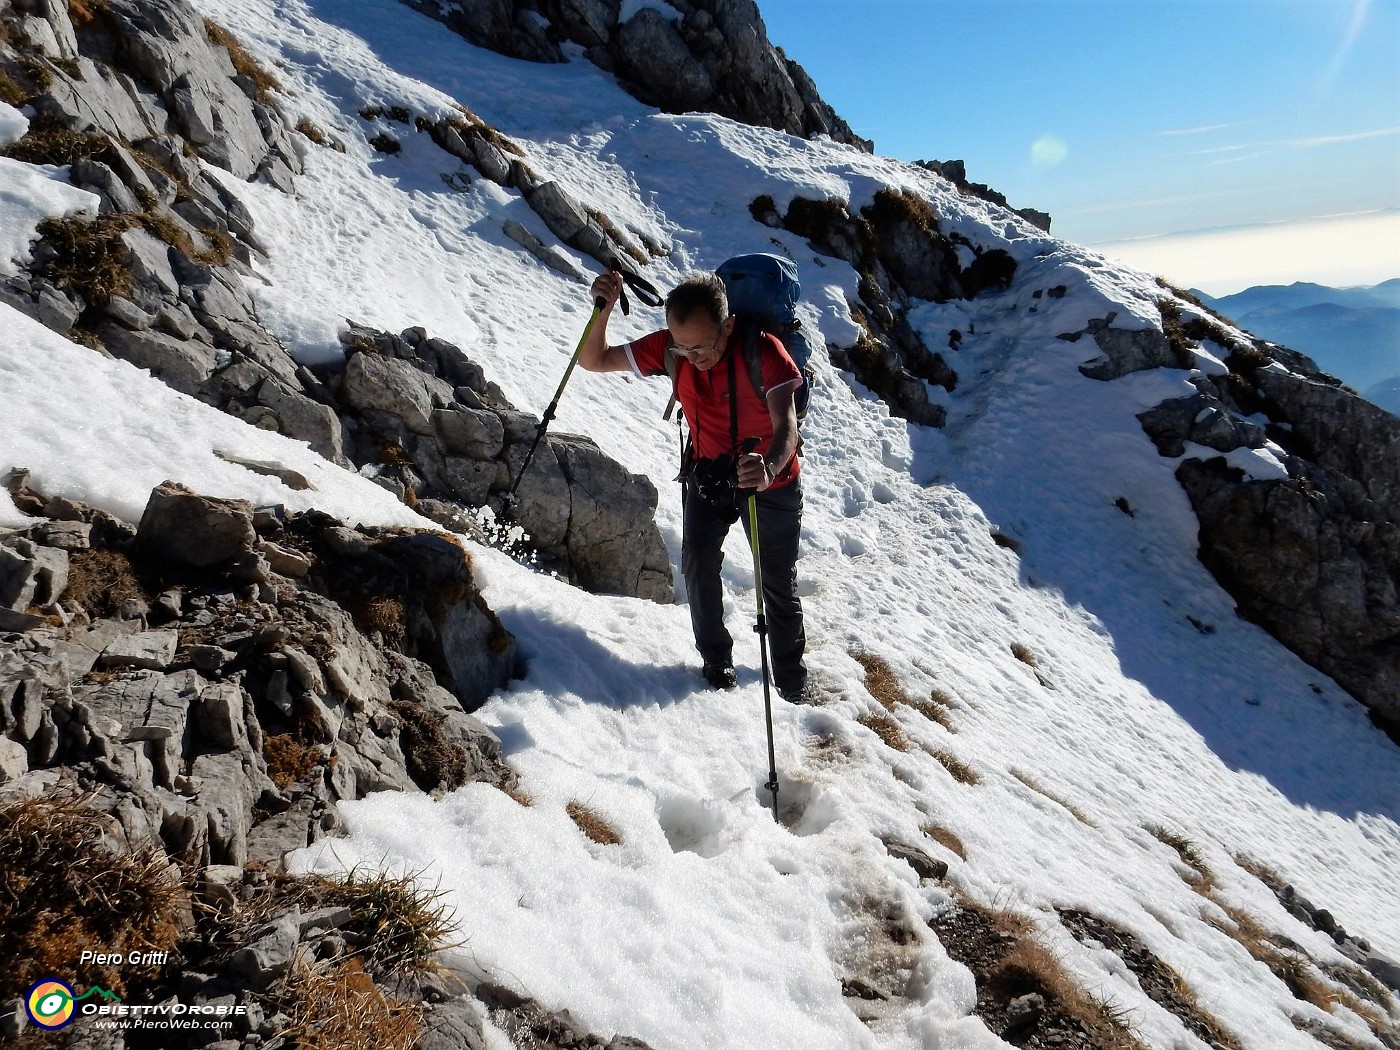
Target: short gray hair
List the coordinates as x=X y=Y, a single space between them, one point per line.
x=699 y=291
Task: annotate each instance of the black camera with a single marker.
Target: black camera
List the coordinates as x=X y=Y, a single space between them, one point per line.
x=716 y=483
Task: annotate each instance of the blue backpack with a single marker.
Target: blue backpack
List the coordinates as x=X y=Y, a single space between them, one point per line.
x=763 y=292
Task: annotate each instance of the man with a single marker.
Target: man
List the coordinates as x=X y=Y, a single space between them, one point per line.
x=716 y=392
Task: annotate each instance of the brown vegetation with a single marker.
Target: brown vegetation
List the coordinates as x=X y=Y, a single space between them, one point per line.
x=64 y=889
x=960 y=770
x=1009 y=964
x=264 y=83
x=289 y=761
x=592 y=825
x=886 y=728
x=101 y=581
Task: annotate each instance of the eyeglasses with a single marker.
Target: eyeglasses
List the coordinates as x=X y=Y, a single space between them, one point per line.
x=692 y=352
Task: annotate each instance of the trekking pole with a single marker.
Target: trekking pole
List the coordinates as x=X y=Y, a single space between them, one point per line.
x=761 y=629
x=598 y=305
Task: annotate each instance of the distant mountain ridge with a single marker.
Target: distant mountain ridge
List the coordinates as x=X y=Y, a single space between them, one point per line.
x=1352 y=333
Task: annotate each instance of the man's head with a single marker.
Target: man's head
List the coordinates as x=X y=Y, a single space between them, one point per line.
x=697 y=314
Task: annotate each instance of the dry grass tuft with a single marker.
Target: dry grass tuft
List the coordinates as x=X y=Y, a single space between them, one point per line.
x=516 y=795
x=1024 y=654
x=264 y=83
x=400 y=923
x=91 y=259
x=385 y=614
x=886 y=728
x=344 y=1008
x=49 y=140
x=592 y=825
x=1202 y=879
x=946 y=839
x=1040 y=789
x=960 y=770
x=312 y=131
x=880 y=680
x=219 y=251
x=288 y=760
x=101 y=580
x=433 y=760
x=63 y=890
x=1008 y=963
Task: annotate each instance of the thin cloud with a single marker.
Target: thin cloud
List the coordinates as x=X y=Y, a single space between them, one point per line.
x=1203 y=129
x=1151 y=202
x=1308 y=142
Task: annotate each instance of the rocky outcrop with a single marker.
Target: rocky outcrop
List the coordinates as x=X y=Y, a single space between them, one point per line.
x=1314 y=556
x=158 y=280
x=423 y=421
x=955 y=171
x=222 y=675
x=684 y=56
x=901 y=253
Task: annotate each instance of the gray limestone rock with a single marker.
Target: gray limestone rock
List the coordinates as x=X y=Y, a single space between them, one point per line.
x=474 y=433
x=31 y=574
x=193 y=529
x=152 y=650
x=184 y=364
x=1129 y=350
x=613 y=542
x=375 y=382
x=270 y=954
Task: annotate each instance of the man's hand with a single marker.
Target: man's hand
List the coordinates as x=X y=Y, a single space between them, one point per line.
x=607 y=287
x=753 y=472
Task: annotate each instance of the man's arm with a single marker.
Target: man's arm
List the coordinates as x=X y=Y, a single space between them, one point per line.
x=758 y=472
x=597 y=355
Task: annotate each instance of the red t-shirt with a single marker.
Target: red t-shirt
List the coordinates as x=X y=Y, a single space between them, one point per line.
x=704 y=396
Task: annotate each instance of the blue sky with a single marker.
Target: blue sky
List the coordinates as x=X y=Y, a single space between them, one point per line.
x=1131 y=119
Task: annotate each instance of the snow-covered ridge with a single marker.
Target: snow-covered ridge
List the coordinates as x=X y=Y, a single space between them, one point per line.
x=1150 y=709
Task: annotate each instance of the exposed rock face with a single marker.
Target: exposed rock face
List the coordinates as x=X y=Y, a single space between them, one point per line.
x=1313 y=558
x=236 y=705
x=420 y=417
x=711 y=55
x=898 y=248
x=955 y=171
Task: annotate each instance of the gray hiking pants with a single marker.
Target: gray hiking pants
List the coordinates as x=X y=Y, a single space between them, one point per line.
x=702 y=557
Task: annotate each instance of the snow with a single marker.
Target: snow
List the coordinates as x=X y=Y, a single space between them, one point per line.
x=29 y=194
x=711 y=924
x=13 y=124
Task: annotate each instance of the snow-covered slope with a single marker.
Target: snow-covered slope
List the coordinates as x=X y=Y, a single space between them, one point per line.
x=1138 y=701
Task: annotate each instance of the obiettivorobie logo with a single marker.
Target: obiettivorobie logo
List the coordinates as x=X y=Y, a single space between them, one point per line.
x=51 y=1002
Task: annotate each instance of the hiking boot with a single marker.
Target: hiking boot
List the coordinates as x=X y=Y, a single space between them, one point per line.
x=720 y=676
x=805 y=694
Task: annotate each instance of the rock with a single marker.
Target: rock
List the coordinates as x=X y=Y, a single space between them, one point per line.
x=471 y=481
x=153 y=650
x=395 y=387
x=270 y=840
x=210 y=658
x=306 y=420
x=346 y=542
x=17 y=622
x=474 y=433
x=31 y=574
x=270 y=955
x=197 y=530
x=14 y=760
x=613 y=543
x=924 y=865
x=226 y=796
x=184 y=364
x=1309 y=559
x=217 y=717
x=284 y=560
x=1129 y=350
x=67 y=535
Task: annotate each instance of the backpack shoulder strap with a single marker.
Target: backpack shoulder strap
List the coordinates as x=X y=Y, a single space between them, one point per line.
x=753 y=356
x=673 y=366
